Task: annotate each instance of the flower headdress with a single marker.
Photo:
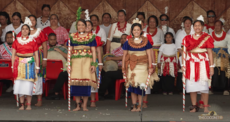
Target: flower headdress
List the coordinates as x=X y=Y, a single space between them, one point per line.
x=87 y=18
x=28 y=22
x=136 y=21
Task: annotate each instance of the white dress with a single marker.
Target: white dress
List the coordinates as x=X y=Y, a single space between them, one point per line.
x=180 y=36
x=101 y=34
x=106 y=28
x=10 y=27
x=158 y=39
x=115 y=33
x=169 y=30
x=42 y=25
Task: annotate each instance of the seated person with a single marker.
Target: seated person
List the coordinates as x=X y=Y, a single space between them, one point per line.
x=5 y=53
x=107 y=87
x=63 y=76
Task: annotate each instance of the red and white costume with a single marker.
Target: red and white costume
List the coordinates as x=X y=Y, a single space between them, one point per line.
x=39 y=37
x=5 y=51
x=197 y=63
x=22 y=85
x=168 y=59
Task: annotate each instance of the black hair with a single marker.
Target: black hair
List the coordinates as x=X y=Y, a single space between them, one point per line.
x=154 y=17
x=94 y=15
x=167 y=17
x=141 y=13
x=83 y=9
x=107 y=14
x=201 y=22
x=123 y=11
x=27 y=27
x=187 y=18
x=46 y=5
x=169 y=33
x=9 y=32
x=18 y=15
x=211 y=11
x=124 y=34
x=34 y=18
x=220 y=22
x=6 y=15
x=52 y=34
x=54 y=15
x=89 y=22
x=82 y=20
x=136 y=24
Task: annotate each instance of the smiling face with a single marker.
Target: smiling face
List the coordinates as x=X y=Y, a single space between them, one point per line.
x=81 y=27
x=54 y=20
x=25 y=31
x=136 y=31
x=198 y=27
x=89 y=27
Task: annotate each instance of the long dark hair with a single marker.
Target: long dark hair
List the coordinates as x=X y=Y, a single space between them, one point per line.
x=6 y=15
x=169 y=33
x=136 y=24
x=46 y=5
x=17 y=14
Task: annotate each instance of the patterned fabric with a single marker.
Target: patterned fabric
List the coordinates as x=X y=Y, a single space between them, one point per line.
x=62 y=35
x=118 y=52
x=63 y=49
x=168 y=65
x=3 y=51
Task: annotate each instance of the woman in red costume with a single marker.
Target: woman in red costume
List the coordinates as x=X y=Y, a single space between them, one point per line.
x=199 y=64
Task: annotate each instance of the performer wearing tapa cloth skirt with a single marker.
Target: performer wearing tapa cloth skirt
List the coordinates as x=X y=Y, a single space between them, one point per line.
x=99 y=59
x=83 y=64
x=39 y=37
x=199 y=64
x=167 y=63
x=24 y=63
x=221 y=57
x=137 y=64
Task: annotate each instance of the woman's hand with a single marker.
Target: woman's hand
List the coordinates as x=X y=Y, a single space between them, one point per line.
x=44 y=63
x=211 y=71
x=151 y=70
x=37 y=71
x=159 y=65
x=100 y=67
x=93 y=69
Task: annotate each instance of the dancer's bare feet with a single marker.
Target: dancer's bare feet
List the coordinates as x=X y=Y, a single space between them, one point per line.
x=138 y=108
x=39 y=103
x=85 y=108
x=93 y=104
x=28 y=106
x=206 y=108
x=134 y=110
x=22 y=107
x=77 y=109
x=145 y=104
x=194 y=108
x=201 y=106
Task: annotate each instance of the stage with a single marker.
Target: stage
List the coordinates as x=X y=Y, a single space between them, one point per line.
x=160 y=108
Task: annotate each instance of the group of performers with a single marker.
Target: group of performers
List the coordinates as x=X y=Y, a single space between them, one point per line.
x=150 y=54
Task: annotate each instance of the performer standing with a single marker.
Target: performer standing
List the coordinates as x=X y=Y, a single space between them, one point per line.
x=199 y=64
x=137 y=65
x=24 y=63
x=167 y=63
x=38 y=35
x=89 y=29
x=83 y=64
x=116 y=30
x=221 y=57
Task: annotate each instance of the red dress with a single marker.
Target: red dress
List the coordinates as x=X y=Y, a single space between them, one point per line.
x=197 y=61
x=39 y=36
